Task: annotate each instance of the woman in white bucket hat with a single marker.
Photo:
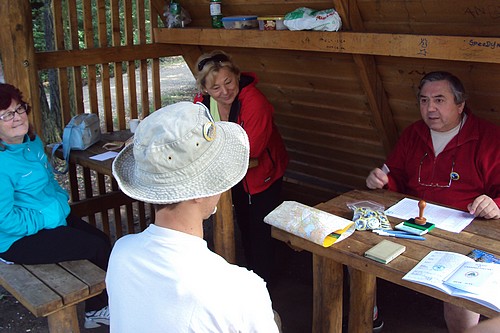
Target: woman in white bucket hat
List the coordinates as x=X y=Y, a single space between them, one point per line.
x=165 y=279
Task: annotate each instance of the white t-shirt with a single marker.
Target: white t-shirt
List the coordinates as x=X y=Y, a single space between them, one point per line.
x=162 y=280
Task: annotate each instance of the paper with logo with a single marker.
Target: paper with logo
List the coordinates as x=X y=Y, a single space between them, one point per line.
x=310 y=223
x=474 y=276
x=460 y=276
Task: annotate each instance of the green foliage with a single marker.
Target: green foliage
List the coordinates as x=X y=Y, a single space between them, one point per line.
x=42 y=17
x=37 y=11
x=39 y=16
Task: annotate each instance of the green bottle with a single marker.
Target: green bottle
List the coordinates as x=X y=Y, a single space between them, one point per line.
x=175 y=15
x=216 y=13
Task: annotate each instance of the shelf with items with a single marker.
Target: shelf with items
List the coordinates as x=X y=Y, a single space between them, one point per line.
x=458 y=48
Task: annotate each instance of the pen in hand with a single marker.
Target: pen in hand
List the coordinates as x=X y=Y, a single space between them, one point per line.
x=385 y=169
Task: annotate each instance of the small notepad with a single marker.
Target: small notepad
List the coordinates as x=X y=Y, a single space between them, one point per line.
x=385 y=251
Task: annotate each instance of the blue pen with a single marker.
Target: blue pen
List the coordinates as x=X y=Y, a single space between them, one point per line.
x=401 y=235
x=396 y=232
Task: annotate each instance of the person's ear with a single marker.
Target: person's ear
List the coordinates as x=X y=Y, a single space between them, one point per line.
x=461 y=108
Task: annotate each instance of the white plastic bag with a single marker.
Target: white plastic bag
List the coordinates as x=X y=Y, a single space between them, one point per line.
x=369 y=215
x=308 y=19
x=179 y=21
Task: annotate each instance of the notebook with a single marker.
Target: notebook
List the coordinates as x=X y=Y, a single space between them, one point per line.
x=385 y=251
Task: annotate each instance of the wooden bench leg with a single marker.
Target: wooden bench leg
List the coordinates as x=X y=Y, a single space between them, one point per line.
x=64 y=321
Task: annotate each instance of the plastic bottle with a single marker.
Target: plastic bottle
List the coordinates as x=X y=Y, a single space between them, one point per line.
x=216 y=13
x=175 y=15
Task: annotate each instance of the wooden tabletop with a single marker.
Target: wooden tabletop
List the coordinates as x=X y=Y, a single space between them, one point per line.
x=480 y=234
x=82 y=157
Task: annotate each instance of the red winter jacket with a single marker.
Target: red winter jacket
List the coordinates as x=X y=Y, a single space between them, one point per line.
x=252 y=111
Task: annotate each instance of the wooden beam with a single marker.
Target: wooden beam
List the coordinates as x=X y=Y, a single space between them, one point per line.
x=370 y=79
x=377 y=99
x=191 y=55
x=18 y=54
x=71 y=58
x=100 y=203
x=457 y=48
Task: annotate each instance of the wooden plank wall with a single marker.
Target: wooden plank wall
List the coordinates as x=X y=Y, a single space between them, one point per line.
x=340 y=114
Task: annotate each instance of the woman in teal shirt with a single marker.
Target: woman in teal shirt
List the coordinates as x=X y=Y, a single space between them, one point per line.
x=36 y=226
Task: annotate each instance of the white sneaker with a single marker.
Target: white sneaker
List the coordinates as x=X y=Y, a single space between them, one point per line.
x=95 y=319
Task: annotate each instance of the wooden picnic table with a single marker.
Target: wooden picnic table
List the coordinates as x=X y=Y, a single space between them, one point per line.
x=328 y=271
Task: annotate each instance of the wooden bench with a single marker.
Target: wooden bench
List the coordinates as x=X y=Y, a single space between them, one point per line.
x=54 y=290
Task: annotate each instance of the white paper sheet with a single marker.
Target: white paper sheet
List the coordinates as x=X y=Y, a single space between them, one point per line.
x=444 y=218
x=104 y=156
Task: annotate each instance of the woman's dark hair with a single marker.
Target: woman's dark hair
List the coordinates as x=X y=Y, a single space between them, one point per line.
x=457 y=88
x=8 y=93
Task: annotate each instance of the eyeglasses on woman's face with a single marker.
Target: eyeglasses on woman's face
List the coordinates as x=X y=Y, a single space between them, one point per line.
x=9 y=115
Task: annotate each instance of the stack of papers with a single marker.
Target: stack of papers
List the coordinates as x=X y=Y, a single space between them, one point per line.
x=449 y=219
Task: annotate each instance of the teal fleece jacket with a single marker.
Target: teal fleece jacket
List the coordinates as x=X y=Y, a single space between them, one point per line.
x=30 y=197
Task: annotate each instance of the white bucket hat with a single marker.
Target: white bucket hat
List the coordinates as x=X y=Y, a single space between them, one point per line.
x=179 y=153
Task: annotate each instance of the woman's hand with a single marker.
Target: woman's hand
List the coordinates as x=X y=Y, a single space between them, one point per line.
x=484 y=206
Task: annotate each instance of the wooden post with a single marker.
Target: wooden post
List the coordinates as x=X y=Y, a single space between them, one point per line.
x=363 y=287
x=18 y=54
x=327 y=295
x=224 y=242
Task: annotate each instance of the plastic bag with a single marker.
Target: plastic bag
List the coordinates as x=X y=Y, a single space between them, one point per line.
x=176 y=21
x=369 y=215
x=308 y=19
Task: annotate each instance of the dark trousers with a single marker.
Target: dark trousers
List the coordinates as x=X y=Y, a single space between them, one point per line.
x=257 y=242
x=78 y=240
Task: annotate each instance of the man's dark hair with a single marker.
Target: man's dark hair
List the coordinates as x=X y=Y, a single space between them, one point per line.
x=456 y=85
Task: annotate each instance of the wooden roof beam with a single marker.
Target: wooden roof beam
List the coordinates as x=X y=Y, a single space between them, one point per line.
x=454 y=48
x=370 y=79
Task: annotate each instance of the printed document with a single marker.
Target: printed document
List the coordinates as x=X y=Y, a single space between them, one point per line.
x=460 y=276
x=449 y=219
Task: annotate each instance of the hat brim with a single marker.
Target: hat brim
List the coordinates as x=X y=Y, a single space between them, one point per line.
x=227 y=165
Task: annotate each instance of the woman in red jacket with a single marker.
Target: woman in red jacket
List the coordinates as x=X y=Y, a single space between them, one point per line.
x=232 y=96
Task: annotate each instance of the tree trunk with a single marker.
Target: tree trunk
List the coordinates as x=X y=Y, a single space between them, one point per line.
x=52 y=111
